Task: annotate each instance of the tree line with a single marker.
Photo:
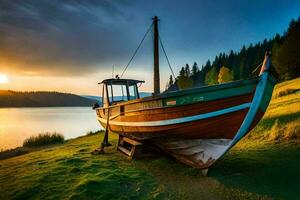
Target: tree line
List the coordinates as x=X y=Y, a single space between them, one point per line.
x=10 y=98
x=232 y=66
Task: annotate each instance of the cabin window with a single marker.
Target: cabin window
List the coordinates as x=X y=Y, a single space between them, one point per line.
x=133 y=94
x=110 y=93
x=119 y=93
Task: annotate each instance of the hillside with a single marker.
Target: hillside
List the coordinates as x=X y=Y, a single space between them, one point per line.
x=262 y=166
x=281 y=122
x=10 y=98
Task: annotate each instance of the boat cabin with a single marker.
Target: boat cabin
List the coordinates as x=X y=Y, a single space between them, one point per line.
x=119 y=90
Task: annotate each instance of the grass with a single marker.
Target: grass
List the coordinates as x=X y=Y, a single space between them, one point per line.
x=292 y=131
x=94 y=132
x=69 y=171
x=266 y=169
x=286 y=88
x=44 y=139
x=282 y=120
x=286 y=92
x=35 y=143
x=4 y=154
x=264 y=165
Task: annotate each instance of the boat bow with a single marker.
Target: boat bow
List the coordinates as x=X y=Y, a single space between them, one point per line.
x=202 y=153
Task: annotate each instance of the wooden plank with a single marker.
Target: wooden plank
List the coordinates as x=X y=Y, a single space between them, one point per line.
x=125 y=151
x=234 y=84
x=130 y=141
x=223 y=126
x=210 y=95
x=165 y=113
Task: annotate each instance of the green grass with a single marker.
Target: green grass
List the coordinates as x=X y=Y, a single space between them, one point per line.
x=282 y=119
x=264 y=165
x=265 y=169
x=94 y=132
x=44 y=139
x=69 y=171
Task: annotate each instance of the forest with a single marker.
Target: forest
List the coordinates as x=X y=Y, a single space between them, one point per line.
x=285 y=62
x=10 y=98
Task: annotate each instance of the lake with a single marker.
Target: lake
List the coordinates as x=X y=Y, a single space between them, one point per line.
x=17 y=124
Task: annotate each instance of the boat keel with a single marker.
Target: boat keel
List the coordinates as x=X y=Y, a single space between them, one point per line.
x=198 y=153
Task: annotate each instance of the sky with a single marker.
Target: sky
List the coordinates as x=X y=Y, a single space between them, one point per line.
x=70 y=46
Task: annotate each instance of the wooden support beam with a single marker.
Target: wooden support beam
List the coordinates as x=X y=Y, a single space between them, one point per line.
x=129 y=147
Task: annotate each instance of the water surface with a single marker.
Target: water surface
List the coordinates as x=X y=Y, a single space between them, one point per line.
x=17 y=124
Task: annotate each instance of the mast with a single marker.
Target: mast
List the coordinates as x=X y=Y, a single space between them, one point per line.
x=156 y=56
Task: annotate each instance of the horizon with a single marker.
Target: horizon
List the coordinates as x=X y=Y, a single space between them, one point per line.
x=53 y=91
x=70 y=46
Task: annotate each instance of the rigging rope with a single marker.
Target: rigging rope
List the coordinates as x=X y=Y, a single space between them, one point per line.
x=137 y=49
x=162 y=46
x=257 y=68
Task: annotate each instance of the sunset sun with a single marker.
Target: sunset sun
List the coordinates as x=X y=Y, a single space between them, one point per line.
x=3 y=78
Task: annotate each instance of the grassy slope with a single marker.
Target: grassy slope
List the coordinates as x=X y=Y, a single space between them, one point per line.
x=285 y=110
x=257 y=168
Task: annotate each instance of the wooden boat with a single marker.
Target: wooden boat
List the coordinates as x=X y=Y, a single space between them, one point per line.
x=196 y=126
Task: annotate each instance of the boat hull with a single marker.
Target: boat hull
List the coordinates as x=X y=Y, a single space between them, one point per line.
x=193 y=114
x=199 y=153
x=221 y=126
x=195 y=126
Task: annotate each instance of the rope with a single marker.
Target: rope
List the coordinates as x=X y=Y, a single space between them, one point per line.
x=137 y=49
x=162 y=46
x=257 y=68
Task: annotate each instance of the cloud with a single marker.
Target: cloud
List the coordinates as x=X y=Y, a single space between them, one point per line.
x=82 y=37
x=62 y=37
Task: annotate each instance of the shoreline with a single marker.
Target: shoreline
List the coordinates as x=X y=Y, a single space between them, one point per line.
x=20 y=150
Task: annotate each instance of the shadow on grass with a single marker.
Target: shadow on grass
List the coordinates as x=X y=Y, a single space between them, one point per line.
x=267 y=123
x=271 y=171
x=282 y=119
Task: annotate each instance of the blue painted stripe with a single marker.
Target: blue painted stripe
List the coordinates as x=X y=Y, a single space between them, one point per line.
x=179 y=120
x=258 y=96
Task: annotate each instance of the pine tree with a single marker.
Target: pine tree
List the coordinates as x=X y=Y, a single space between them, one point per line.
x=182 y=72
x=187 y=70
x=286 y=54
x=184 y=80
x=196 y=75
x=170 y=83
x=195 y=70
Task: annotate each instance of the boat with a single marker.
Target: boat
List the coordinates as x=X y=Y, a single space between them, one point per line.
x=196 y=126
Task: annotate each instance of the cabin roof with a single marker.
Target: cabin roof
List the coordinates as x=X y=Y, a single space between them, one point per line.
x=121 y=81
